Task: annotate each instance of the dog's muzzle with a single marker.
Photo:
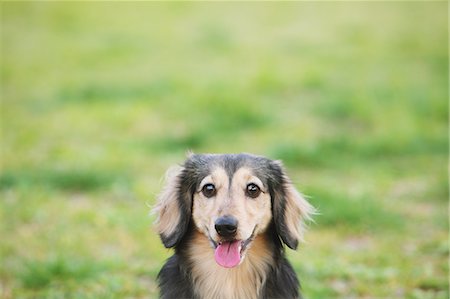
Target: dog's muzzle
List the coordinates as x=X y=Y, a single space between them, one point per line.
x=229 y=251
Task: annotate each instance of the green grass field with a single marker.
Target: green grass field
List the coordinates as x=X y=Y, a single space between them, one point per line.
x=99 y=99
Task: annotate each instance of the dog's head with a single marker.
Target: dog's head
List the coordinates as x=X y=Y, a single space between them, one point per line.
x=231 y=199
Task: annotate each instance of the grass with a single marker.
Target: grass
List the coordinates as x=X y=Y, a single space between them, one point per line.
x=71 y=180
x=99 y=99
x=362 y=214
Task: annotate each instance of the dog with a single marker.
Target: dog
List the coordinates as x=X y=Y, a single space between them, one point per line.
x=228 y=217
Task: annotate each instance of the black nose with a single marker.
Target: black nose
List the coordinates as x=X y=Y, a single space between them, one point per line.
x=226 y=226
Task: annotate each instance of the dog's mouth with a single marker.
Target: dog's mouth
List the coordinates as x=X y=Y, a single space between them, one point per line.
x=230 y=253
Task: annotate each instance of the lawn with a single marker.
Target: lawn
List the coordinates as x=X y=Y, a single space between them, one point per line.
x=98 y=99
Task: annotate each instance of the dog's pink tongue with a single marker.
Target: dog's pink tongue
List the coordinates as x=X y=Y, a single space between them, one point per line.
x=228 y=254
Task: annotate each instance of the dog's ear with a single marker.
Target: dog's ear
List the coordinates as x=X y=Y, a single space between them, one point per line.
x=173 y=208
x=290 y=210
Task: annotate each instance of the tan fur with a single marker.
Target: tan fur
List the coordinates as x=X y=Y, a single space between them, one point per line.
x=231 y=200
x=214 y=281
x=167 y=205
x=297 y=211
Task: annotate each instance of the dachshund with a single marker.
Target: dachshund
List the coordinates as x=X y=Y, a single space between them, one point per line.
x=228 y=218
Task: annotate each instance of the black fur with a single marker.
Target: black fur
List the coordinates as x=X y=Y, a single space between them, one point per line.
x=277 y=193
x=174 y=278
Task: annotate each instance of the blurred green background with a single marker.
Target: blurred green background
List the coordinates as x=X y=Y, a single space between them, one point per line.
x=99 y=99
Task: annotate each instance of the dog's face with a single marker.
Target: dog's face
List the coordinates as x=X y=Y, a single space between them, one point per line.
x=231 y=207
x=231 y=199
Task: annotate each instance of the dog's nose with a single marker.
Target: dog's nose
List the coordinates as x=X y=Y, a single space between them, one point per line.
x=226 y=226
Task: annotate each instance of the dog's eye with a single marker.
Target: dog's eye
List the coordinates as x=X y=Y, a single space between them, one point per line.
x=209 y=190
x=253 y=191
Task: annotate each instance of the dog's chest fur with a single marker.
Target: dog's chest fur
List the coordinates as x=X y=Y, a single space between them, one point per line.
x=213 y=281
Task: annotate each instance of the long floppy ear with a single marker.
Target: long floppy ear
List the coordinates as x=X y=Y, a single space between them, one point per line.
x=173 y=208
x=290 y=210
